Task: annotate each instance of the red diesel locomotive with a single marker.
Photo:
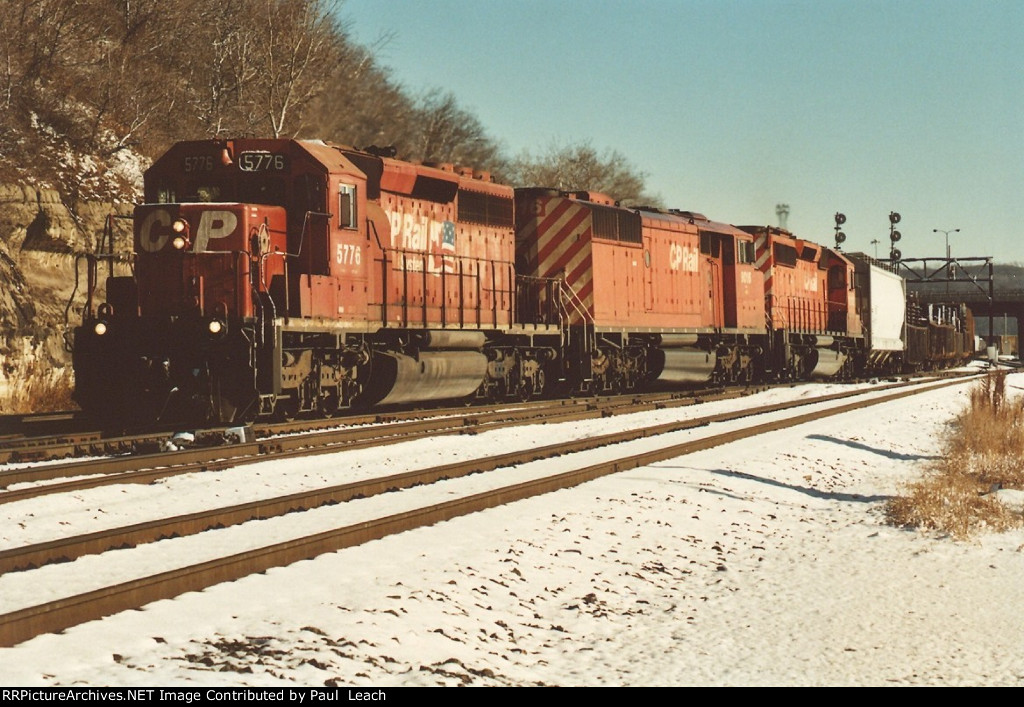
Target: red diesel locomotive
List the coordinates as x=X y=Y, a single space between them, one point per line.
x=286 y=277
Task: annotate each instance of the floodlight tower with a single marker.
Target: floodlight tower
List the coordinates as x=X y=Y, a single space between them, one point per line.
x=782 y=211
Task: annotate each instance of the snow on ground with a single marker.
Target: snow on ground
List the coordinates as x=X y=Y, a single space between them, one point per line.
x=763 y=562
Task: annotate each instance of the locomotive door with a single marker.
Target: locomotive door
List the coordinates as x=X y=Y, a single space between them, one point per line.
x=648 y=275
x=838 y=298
x=713 y=280
x=348 y=250
x=309 y=238
x=711 y=247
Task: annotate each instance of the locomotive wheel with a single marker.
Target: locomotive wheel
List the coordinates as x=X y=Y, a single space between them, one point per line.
x=329 y=406
x=619 y=385
x=286 y=409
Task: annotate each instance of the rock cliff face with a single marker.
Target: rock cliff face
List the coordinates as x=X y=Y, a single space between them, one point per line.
x=41 y=239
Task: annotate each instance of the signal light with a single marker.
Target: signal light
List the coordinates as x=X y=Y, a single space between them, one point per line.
x=894 y=236
x=840 y=236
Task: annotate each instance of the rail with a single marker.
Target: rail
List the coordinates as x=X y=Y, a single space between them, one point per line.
x=21 y=624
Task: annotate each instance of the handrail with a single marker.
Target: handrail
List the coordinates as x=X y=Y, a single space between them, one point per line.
x=413 y=267
x=568 y=296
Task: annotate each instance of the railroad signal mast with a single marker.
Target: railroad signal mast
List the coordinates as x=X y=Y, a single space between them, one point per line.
x=894 y=253
x=840 y=236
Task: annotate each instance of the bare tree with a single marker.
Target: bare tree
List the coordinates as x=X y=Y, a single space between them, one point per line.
x=581 y=167
x=222 y=69
x=299 y=48
x=360 y=104
x=445 y=132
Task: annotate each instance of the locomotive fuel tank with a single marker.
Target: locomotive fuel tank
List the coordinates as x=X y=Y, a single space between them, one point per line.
x=398 y=378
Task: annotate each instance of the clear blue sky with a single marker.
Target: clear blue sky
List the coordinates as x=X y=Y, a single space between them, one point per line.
x=733 y=106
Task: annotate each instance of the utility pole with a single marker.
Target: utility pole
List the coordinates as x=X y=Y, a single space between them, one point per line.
x=950 y=272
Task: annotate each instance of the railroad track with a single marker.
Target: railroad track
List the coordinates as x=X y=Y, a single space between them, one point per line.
x=374 y=431
x=69 y=443
x=66 y=435
x=14 y=427
x=19 y=625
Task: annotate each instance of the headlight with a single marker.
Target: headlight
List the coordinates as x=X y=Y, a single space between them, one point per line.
x=179 y=243
x=215 y=326
x=100 y=328
x=179 y=225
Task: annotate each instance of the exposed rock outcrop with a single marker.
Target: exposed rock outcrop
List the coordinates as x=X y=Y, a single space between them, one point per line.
x=41 y=239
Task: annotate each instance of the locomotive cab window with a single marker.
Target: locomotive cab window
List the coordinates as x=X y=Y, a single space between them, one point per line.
x=260 y=189
x=710 y=244
x=784 y=255
x=347 y=206
x=808 y=253
x=165 y=195
x=745 y=252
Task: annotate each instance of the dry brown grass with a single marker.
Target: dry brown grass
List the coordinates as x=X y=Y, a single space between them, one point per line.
x=36 y=389
x=984 y=452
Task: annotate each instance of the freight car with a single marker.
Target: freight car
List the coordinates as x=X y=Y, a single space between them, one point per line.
x=938 y=335
x=287 y=277
x=880 y=299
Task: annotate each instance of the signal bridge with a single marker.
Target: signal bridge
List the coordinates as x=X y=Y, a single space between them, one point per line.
x=967 y=280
